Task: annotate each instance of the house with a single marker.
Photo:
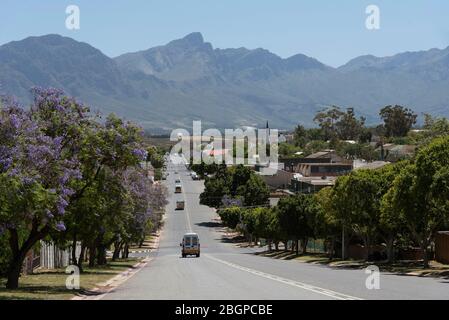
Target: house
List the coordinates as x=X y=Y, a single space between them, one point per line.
x=326 y=154
x=291 y=164
x=363 y=164
x=279 y=179
x=324 y=169
x=311 y=184
x=394 y=152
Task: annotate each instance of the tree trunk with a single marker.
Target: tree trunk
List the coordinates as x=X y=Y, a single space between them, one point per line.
x=14 y=275
x=276 y=245
x=346 y=246
x=367 y=248
x=305 y=241
x=100 y=250
x=101 y=256
x=74 y=259
x=117 y=248
x=424 y=245
x=19 y=253
x=92 y=254
x=81 y=258
x=390 y=249
x=332 y=248
x=297 y=247
x=125 y=253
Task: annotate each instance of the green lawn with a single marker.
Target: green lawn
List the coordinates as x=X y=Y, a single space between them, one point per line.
x=399 y=267
x=50 y=285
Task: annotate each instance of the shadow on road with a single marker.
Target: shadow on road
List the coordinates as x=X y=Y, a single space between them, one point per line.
x=210 y=224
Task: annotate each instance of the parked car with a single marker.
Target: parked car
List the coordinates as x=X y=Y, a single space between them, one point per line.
x=190 y=245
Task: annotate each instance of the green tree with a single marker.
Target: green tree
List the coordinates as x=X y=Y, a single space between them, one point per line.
x=237 y=182
x=230 y=216
x=398 y=120
x=357 y=151
x=357 y=199
x=300 y=136
x=155 y=157
x=420 y=194
x=349 y=127
x=297 y=216
x=327 y=225
x=327 y=120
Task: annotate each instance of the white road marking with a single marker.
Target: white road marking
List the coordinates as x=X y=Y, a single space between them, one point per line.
x=186 y=209
x=326 y=292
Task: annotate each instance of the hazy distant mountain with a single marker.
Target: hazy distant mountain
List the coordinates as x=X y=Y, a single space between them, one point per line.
x=187 y=79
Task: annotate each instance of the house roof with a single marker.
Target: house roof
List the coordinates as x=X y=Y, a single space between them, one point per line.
x=319 y=154
x=370 y=165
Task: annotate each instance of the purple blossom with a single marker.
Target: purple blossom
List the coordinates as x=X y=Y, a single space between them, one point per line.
x=60 y=226
x=141 y=154
x=59 y=108
x=49 y=214
x=67 y=192
x=28 y=180
x=6 y=163
x=15 y=121
x=61 y=205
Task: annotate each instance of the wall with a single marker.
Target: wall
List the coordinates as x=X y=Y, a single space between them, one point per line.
x=442 y=247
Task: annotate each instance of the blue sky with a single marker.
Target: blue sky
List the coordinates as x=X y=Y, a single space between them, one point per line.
x=329 y=30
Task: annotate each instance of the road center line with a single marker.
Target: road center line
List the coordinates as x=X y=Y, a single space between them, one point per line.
x=326 y=292
x=186 y=209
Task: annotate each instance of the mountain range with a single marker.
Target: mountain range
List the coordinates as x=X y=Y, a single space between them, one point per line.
x=168 y=86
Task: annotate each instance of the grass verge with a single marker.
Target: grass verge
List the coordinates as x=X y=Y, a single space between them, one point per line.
x=50 y=284
x=410 y=268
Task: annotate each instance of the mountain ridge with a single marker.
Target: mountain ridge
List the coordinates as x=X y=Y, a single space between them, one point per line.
x=188 y=79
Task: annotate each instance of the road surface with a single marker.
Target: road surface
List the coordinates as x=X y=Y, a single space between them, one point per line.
x=227 y=272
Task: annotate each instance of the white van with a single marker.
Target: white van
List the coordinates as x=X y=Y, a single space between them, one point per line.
x=190 y=245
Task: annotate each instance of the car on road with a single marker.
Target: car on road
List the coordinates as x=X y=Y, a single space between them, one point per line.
x=177 y=181
x=194 y=176
x=178 y=188
x=180 y=205
x=190 y=245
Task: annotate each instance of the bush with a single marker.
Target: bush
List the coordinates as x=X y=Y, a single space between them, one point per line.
x=230 y=217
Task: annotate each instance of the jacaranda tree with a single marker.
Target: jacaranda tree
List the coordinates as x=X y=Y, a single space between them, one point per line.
x=61 y=171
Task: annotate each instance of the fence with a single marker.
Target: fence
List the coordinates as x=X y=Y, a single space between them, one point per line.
x=52 y=257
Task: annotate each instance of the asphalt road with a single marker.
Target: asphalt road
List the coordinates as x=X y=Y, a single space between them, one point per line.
x=226 y=272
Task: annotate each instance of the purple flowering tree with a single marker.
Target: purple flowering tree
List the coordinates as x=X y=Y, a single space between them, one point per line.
x=36 y=170
x=99 y=206
x=65 y=175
